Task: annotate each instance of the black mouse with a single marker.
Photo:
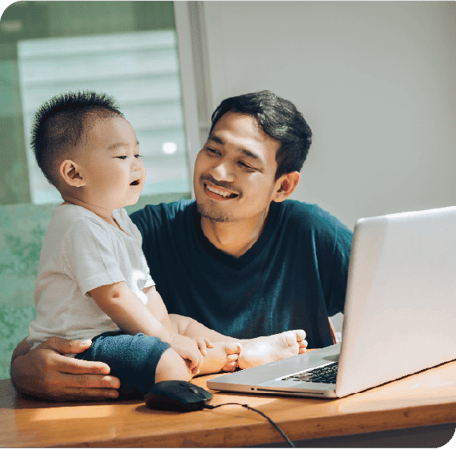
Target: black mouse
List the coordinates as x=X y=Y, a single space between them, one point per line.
x=177 y=395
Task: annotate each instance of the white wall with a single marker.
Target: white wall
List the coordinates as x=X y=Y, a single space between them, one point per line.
x=376 y=82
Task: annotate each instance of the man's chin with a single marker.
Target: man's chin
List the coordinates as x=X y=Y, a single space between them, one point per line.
x=213 y=215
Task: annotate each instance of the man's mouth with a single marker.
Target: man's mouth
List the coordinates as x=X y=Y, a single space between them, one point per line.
x=219 y=193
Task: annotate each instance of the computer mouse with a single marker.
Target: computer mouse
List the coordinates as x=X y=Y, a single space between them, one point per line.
x=177 y=395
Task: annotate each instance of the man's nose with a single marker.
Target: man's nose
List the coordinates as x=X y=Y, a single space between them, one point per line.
x=222 y=172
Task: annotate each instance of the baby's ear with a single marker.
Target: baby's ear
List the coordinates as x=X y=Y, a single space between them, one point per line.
x=70 y=172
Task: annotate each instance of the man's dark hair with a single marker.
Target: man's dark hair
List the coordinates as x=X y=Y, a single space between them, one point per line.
x=278 y=118
x=60 y=123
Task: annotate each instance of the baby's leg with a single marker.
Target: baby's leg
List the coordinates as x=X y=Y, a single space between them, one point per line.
x=258 y=351
x=139 y=361
x=172 y=366
x=223 y=356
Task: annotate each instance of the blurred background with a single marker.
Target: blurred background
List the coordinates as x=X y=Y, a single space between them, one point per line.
x=374 y=80
x=126 y=49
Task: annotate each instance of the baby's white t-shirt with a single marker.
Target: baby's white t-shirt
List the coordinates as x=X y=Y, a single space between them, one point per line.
x=81 y=252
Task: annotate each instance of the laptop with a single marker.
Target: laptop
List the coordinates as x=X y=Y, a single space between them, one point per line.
x=399 y=317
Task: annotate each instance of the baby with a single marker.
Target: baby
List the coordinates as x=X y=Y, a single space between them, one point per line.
x=93 y=280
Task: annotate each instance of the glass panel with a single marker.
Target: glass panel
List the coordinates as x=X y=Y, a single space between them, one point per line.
x=125 y=49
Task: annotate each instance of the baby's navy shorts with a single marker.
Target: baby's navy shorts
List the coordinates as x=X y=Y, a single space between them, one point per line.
x=132 y=358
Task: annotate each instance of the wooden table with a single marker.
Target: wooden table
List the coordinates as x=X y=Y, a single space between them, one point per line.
x=424 y=399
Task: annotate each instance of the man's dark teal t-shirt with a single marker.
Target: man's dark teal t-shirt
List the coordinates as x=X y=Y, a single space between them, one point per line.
x=293 y=277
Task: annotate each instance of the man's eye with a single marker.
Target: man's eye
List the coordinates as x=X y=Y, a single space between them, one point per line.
x=246 y=166
x=211 y=151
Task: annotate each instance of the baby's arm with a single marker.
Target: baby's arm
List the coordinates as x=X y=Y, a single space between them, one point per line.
x=132 y=316
x=220 y=352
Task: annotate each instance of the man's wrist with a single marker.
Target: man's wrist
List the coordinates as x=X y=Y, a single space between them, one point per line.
x=17 y=372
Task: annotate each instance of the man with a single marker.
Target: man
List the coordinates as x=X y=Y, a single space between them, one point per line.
x=242 y=259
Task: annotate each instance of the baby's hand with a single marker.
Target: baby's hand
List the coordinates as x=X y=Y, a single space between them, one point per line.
x=204 y=343
x=188 y=349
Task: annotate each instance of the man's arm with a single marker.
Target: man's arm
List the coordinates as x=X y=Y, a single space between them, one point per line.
x=45 y=372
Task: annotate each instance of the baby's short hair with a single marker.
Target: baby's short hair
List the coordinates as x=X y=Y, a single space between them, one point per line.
x=60 y=123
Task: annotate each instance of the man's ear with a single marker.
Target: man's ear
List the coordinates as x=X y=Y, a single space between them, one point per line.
x=70 y=171
x=286 y=185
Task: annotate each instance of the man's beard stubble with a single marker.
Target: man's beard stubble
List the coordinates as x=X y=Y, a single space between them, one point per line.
x=213 y=215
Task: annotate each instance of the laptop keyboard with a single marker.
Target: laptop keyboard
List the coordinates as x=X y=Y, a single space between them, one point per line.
x=324 y=374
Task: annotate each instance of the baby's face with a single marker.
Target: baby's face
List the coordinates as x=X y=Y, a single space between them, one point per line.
x=111 y=166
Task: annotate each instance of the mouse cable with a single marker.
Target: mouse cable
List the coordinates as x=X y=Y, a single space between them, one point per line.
x=255 y=410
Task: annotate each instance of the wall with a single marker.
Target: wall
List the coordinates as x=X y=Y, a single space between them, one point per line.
x=374 y=80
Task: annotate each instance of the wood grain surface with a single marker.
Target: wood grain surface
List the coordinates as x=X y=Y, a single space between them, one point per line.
x=423 y=399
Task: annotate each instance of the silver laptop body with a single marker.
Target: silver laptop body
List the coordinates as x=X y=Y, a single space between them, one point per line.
x=399 y=317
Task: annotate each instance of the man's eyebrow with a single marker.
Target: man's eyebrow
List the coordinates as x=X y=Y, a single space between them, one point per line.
x=249 y=153
x=244 y=151
x=119 y=144
x=216 y=139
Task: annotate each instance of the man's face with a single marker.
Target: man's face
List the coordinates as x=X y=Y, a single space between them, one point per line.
x=234 y=177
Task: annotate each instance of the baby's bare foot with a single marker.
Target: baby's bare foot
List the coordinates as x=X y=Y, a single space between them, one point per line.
x=222 y=357
x=270 y=349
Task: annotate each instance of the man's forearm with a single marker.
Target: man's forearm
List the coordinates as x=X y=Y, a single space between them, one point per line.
x=22 y=349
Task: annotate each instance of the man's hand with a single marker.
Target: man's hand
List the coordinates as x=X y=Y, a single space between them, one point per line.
x=46 y=373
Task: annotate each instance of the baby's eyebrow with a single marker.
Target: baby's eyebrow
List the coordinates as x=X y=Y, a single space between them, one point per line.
x=120 y=144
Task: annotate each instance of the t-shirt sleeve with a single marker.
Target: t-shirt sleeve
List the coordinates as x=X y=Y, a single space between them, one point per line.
x=88 y=256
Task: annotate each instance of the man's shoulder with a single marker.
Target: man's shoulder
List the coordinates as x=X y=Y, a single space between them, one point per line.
x=308 y=215
x=163 y=212
x=313 y=221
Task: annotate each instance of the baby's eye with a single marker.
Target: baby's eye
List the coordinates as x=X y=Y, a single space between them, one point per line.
x=121 y=157
x=138 y=155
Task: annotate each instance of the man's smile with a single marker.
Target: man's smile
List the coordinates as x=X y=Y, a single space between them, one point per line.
x=217 y=192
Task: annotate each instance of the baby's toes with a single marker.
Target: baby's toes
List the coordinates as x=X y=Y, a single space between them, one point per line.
x=300 y=335
x=290 y=338
x=235 y=348
x=231 y=364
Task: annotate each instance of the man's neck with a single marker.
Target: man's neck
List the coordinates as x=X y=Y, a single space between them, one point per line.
x=234 y=238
